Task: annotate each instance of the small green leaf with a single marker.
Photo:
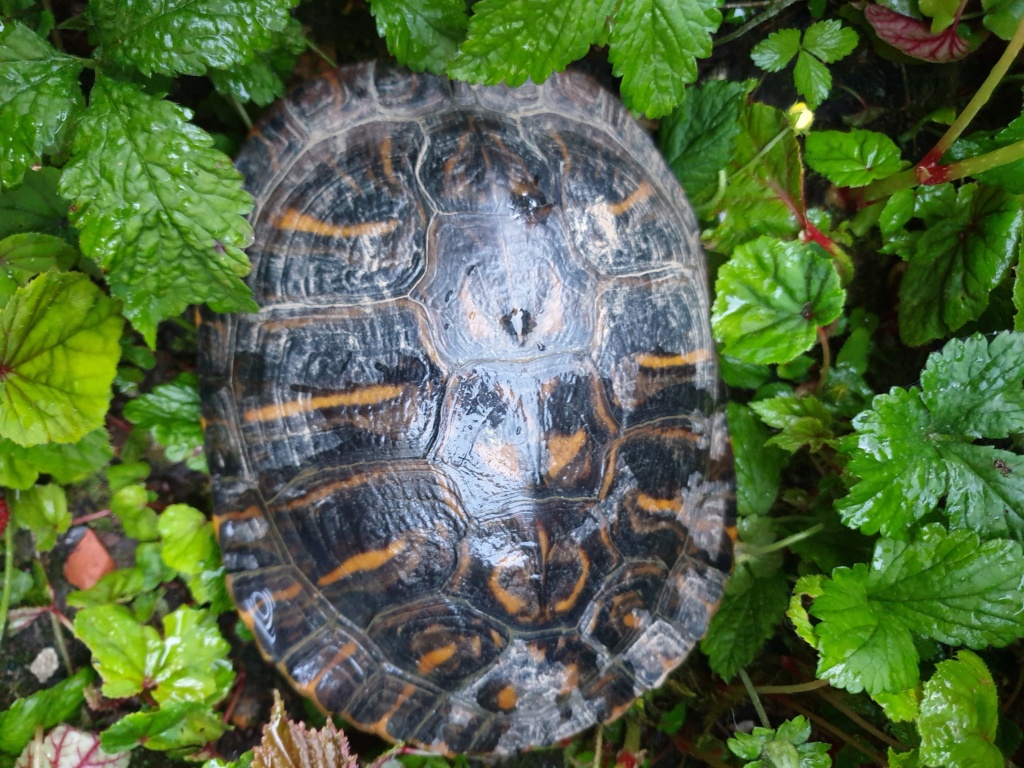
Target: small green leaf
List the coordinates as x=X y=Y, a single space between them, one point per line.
x=829 y=40
x=39 y=95
x=130 y=505
x=1002 y=16
x=698 y=137
x=421 y=34
x=771 y=298
x=58 y=355
x=167 y=224
x=175 y=726
x=126 y=584
x=852 y=158
x=189 y=546
x=193 y=664
x=171 y=413
x=44 y=709
x=758 y=468
x=784 y=747
x=774 y=53
x=260 y=80
x=124 y=652
x=652 y=48
x=24 y=256
x=517 y=40
x=185 y=36
x=812 y=79
x=42 y=509
x=959 y=714
x=65 y=463
x=803 y=421
x=901 y=706
x=941 y=12
x=35 y=206
x=909 y=759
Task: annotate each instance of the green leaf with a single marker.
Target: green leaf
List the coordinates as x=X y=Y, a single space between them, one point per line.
x=986 y=489
x=130 y=505
x=185 y=36
x=260 y=80
x=35 y=206
x=124 y=652
x=852 y=158
x=1002 y=16
x=421 y=34
x=65 y=463
x=829 y=40
x=941 y=12
x=517 y=40
x=39 y=96
x=126 y=584
x=193 y=664
x=177 y=725
x=909 y=759
x=189 y=546
x=974 y=386
x=803 y=421
x=24 y=256
x=959 y=714
x=42 y=509
x=771 y=298
x=812 y=79
x=784 y=747
x=697 y=138
x=58 y=355
x=159 y=209
x=901 y=706
x=652 y=48
x=758 y=468
x=43 y=709
x=171 y=413
x=774 y=53
x=951 y=588
x=963 y=251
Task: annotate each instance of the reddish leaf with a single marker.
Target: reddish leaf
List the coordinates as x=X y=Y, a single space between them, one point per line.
x=915 y=37
x=5 y=515
x=66 y=747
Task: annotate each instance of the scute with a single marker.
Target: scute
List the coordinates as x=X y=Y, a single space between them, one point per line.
x=473 y=483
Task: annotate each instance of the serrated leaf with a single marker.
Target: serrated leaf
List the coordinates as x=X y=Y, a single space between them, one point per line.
x=771 y=297
x=517 y=40
x=909 y=759
x=35 y=206
x=829 y=40
x=785 y=746
x=58 y=355
x=970 y=245
x=948 y=587
x=915 y=38
x=24 y=256
x=774 y=53
x=698 y=136
x=758 y=468
x=42 y=509
x=287 y=744
x=189 y=546
x=39 y=95
x=986 y=489
x=653 y=45
x=852 y=159
x=177 y=725
x=959 y=715
x=811 y=586
x=124 y=652
x=171 y=413
x=158 y=208
x=193 y=663
x=67 y=747
x=185 y=36
x=803 y=421
x=901 y=706
x=43 y=709
x=421 y=34
x=260 y=80
x=812 y=79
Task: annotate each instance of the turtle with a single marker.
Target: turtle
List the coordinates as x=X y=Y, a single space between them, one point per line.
x=472 y=481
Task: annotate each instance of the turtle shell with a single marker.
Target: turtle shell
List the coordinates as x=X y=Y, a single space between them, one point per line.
x=473 y=490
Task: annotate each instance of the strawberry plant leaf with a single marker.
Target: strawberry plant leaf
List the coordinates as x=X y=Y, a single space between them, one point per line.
x=59 y=345
x=260 y=80
x=67 y=747
x=64 y=462
x=852 y=159
x=911 y=759
x=124 y=652
x=915 y=38
x=184 y=36
x=959 y=715
x=171 y=413
x=653 y=45
x=527 y=39
x=774 y=53
x=803 y=421
x=697 y=138
x=43 y=510
x=969 y=243
x=39 y=96
x=787 y=745
x=422 y=35
x=35 y=206
x=986 y=489
x=24 y=256
x=758 y=467
x=174 y=726
x=43 y=709
x=189 y=546
x=771 y=297
x=167 y=226
x=829 y=40
x=812 y=79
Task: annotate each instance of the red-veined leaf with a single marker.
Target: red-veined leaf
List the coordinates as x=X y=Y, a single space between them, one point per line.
x=915 y=38
x=66 y=747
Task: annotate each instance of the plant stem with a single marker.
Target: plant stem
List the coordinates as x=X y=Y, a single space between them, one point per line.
x=5 y=598
x=797 y=688
x=58 y=638
x=312 y=46
x=868 y=727
x=752 y=693
x=774 y=10
x=826 y=358
x=242 y=113
x=761 y=153
x=750 y=551
x=598 y=745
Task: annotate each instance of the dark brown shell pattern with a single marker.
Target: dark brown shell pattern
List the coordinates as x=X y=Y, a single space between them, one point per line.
x=472 y=485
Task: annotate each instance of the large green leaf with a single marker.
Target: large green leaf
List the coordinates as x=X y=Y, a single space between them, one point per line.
x=59 y=346
x=159 y=209
x=421 y=34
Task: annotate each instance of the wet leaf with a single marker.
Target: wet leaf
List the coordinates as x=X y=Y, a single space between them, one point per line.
x=188 y=542
x=124 y=652
x=24 y=256
x=175 y=726
x=43 y=709
x=915 y=38
x=787 y=746
x=65 y=462
x=171 y=413
x=758 y=467
x=35 y=206
x=802 y=421
x=66 y=747
x=852 y=158
x=422 y=35
x=42 y=509
x=287 y=744
x=260 y=80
